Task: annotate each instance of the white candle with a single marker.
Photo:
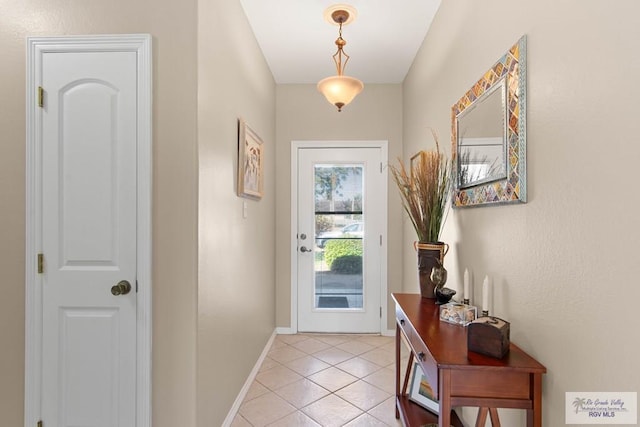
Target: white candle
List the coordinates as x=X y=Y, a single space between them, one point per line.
x=465 y=294
x=485 y=294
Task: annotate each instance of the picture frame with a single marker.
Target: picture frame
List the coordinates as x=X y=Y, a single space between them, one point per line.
x=507 y=77
x=250 y=162
x=421 y=391
x=414 y=159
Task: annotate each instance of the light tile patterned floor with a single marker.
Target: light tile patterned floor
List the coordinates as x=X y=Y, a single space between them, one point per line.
x=324 y=380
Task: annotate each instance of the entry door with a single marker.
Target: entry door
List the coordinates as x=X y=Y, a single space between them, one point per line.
x=89 y=210
x=341 y=218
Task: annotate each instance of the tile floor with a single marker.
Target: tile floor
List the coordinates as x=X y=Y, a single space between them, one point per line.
x=324 y=380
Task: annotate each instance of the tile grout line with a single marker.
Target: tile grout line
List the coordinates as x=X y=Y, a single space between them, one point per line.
x=286 y=350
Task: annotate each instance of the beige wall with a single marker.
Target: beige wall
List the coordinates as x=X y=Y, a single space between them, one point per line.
x=236 y=303
x=562 y=265
x=172 y=25
x=229 y=310
x=566 y=263
x=304 y=114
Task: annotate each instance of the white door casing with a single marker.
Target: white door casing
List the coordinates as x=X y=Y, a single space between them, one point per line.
x=371 y=316
x=88 y=352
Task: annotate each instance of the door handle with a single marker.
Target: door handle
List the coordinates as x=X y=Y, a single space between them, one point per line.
x=304 y=249
x=122 y=288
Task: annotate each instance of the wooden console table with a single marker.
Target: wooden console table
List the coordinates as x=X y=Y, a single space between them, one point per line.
x=458 y=377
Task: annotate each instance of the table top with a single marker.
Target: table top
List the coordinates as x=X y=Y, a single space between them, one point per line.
x=447 y=342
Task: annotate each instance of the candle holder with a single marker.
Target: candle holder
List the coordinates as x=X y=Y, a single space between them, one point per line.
x=485 y=313
x=465 y=301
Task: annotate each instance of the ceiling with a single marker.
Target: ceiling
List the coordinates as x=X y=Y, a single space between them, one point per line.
x=298 y=43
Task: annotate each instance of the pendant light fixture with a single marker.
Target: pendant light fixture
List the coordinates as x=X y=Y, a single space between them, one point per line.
x=340 y=89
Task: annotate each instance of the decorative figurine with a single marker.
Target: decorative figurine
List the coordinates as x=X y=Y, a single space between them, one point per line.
x=439 y=278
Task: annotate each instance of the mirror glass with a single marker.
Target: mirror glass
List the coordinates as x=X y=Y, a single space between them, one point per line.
x=481 y=139
x=489 y=135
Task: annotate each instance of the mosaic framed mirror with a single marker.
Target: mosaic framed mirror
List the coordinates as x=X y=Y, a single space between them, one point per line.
x=488 y=135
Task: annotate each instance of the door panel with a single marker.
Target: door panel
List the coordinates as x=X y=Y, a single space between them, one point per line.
x=340 y=225
x=87 y=172
x=89 y=144
x=76 y=324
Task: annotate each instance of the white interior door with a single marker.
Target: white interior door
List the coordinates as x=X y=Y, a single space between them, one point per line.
x=89 y=142
x=341 y=222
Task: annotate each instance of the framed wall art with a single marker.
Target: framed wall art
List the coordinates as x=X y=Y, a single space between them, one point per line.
x=250 y=162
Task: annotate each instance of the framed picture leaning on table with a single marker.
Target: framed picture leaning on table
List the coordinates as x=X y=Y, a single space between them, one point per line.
x=421 y=391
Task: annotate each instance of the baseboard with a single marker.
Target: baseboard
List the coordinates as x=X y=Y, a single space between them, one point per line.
x=252 y=376
x=284 y=330
x=288 y=331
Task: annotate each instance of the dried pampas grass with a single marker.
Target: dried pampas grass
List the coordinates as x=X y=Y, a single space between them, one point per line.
x=424 y=190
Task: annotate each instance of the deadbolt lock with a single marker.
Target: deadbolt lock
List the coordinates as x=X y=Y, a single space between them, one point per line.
x=122 y=288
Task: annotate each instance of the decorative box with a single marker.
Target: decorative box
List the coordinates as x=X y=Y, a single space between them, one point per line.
x=488 y=336
x=458 y=314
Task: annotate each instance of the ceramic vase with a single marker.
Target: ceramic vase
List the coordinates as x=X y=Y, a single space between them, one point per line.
x=429 y=254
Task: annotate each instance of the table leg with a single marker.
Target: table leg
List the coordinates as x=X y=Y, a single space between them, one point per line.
x=495 y=420
x=482 y=417
x=534 y=415
x=407 y=375
x=397 y=369
x=444 y=390
x=481 y=420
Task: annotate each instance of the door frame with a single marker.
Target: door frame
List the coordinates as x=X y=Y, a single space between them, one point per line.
x=36 y=47
x=295 y=146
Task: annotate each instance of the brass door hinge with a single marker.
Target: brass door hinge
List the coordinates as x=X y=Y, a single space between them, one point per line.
x=40 y=102
x=39 y=423
x=40 y=266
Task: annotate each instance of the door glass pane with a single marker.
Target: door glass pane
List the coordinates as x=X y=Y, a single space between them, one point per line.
x=339 y=230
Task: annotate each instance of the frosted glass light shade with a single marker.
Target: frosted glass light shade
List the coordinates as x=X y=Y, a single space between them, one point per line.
x=340 y=90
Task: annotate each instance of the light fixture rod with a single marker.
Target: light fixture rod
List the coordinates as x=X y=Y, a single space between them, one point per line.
x=337 y=57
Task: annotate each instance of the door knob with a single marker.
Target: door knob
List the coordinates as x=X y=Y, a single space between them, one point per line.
x=304 y=249
x=122 y=288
